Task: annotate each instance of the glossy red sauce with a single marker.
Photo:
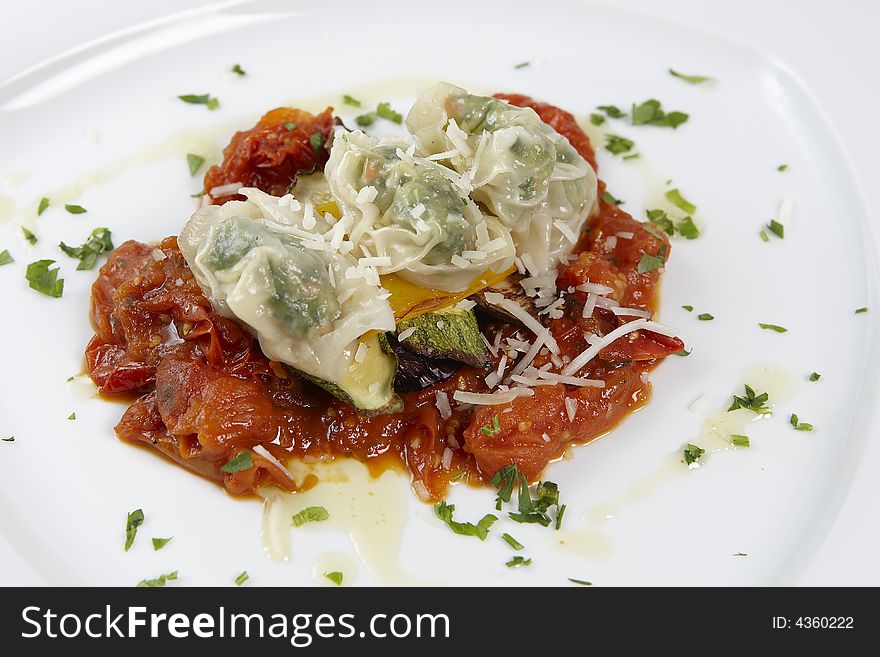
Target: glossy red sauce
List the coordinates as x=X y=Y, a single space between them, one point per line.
x=205 y=392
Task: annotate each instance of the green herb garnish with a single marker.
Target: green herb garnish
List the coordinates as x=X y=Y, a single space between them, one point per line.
x=6 y=258
x=238 y=70
x=650 y=262
x=491 y=430
x=611 y=200
x=384 y=111
x=290 y=126
x=29 y=237
x=444 y=511
x=335 y=577
x=692 y=453
x=310 y=514
x=782 y=167
x=75 y=209
x=511 y=541
x=616 y=144
x=582 y=582
x=72 y=416
x=365 y=120
x=612 y=111
x=740 y=554
x=504 y=480
x=560 y=512
x=688 y=308
x=651 y=113
x=776 y=228
x=99 y=242
x=242 y=461
x=751 y=402
x=44 y=204
x=349 y=100
x=522 y=65
x=159 y=581
x=660 y=219
x=159 y=543
x=798 y=425
x=705 y=317
x=518 y=561
x=134 y=520
x=242 y=578
x=688 y=229
x=597 y=119
x=201 y=99
x=43 y=279
x=739 y=440
x=195 y=162
x=773 y=327
x=764 y=236
x=859 y=311
x=316 y=139
x=815 y=376
x=11 y=439
x=674 y=196
x=693 y=79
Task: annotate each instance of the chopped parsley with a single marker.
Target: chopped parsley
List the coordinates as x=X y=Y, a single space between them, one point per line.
x=159 y=543
x=72 y=416
x=316 y=139
x=134 y=520
x=290 y=126
x=159 y=581
x=693 y=79
x=365 y=120
x=798 y=425
x=238 y=70
x=859 y=311
x=195 y=162
x=99 y=242
x=350 y=100
x=782 y=167
x=773 y=327
x=739 y=440
x=611 y=200
x=582 y=582
x=201 y=99
x=688 y=229
x=43 y=279
x=504 y=480
x=6 y=258
x=511 y=541
x=631 y=156
x=74 y=209
x=616 y=144
x=683 y=353
x=650 y=262
x=751 y=401
x=740 y=554
x=815 y=376
x=651 y=113
x=764 y=236
x=385 y=111
x=560 y=512
x=335 y=577
x=652 y=231
x=29 y=237
x=660 y=219
x=529 y=510
x=776 y=228
x=688 y=308
x=11 y=439
x=444 y=511
x=44 y=204
x=242 y=461
x=705 y=317
x=242 y=578
x=612 y=111
x=597 y=119
x=522 y=65
x=491 y=430
x=674 y=196
x=310 y=514
x=518 y=561
x=693 y=453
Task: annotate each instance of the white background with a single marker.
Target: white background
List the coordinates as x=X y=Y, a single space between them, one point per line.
x=831 y=46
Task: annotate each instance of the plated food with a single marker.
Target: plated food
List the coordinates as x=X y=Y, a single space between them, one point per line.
x=455 y=303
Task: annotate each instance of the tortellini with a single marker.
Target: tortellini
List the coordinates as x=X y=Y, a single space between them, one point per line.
x=412 y=214
x=256 y=262
x=521 y=169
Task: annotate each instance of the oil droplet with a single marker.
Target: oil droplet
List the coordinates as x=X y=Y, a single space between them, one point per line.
x=587 y=543
x=81 y=387
x=371 y=510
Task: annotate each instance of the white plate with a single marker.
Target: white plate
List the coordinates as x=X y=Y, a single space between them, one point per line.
x=109 y=113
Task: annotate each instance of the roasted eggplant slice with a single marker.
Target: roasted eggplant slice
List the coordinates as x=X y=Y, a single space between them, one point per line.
x=512 y=290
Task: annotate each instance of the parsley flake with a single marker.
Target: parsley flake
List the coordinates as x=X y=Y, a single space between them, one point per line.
x=159 y=543
x=688 y=308
x=815 y=376
x=616 y=144
x=860 y=311
x=316 y=139
x=798 y=425
x=751 y=401
x=349 y=100
x=597 y=119
x=688 y=229
x=705 y=317
x=195 y=162
x=242 y=578
x=773 y=327
x=99 y=242
x=6 y=258
x=335 y=577
x=75 y=209
x=201 y=99
x=159 y=581
x=238 y=70
x=290 y=126
x=385 y=111
x=365 y=120
x=44 y=204
x=612 y=111
x=511 y=541
x=310 y=514
x=43 y=279
x=650 y=262
x=764 y=236
x=739 y=440
x=693 y=79
x=11 y=439
x=693 y=453
x=522 y=65
x=134 y=520
x=241 y=461
x=611 y=200
x=444 y=511
x=518 y=561
x=674 y=196
x=582 y=582
x=651 y=113
x=776 y=228
x=782 y=167
x=29 y=237
x=660 y=219
x=72 y=416
x=491 y=430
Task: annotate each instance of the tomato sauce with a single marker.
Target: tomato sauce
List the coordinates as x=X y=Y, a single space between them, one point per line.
x=206 y=393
